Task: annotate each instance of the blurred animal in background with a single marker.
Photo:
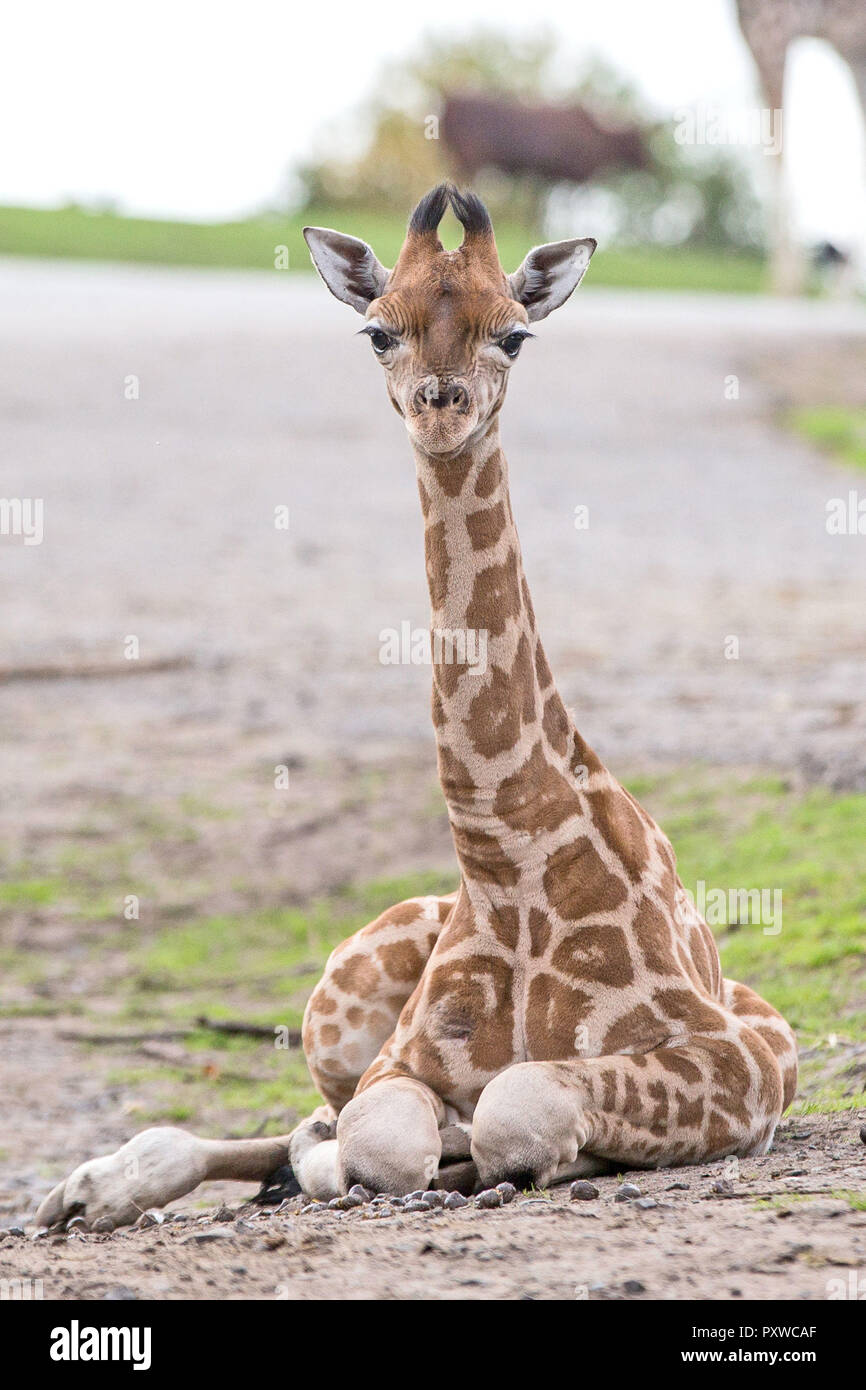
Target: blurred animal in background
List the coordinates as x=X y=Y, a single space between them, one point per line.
x=769 y=28
x=550 y=142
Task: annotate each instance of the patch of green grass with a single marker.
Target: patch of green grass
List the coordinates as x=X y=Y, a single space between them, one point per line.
x=178 y=1093
x=805 y=853
x=855 y=1200
x=839 y=430
x=782 y=1201
x=253 y=244
x=263 y=951
x=33 y=892
x=38 y=1008
x=829 y=1100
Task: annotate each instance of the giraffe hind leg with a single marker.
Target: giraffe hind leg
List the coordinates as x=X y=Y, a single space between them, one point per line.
x=368 y=978
x=350 y=1014
x=711 y=1096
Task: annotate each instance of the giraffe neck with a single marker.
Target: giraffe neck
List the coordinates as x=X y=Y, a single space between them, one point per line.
x=510 y=760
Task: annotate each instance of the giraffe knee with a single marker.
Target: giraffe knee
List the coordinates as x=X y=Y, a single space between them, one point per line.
x=525 y=1126
x=388 y=1138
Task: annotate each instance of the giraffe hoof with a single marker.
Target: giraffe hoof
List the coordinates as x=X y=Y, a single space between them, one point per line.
x=151 y=1170
x=277 y=1186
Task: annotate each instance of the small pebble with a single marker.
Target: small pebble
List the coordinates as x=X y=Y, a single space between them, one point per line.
x=583 y=1191
x=434 y=1198
x=313 y=1206
x=507 y=1192
x=103 y=1226
x=677 y=1187
x=455 y=1200
x=489 y=1198
x=626 y=1192
x=634 y=1286
x=416 y=1204
x=362 y=1194
x=646 y=1203
x=345 y=1203
x=224 y=1214
x=722 y=1186
x=414 y=1196
x=15 y=1231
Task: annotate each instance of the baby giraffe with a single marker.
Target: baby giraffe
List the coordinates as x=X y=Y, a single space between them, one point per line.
x=565 y=1009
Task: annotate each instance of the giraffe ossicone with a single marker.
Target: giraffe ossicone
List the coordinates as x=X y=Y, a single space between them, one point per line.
x=564 y=1009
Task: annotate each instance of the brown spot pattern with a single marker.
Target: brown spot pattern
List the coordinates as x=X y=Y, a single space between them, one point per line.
x=578 y=883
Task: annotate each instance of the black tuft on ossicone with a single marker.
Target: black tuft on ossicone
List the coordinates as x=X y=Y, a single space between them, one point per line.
x=468 y=209
x=471 y=212
x=430 y=211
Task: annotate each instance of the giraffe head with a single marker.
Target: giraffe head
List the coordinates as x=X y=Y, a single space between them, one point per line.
x=447 y=325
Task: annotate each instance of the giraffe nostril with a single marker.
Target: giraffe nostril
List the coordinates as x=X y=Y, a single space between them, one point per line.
x=459 y=396
x=442 y=395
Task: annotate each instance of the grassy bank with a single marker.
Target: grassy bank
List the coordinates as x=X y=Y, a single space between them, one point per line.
x=803 y=849
x=254 y=244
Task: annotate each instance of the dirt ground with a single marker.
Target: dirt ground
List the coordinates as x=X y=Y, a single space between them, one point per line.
x=782 y=1226
x=261 y=648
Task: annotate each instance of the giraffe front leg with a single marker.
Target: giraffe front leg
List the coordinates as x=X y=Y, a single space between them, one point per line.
x=151 y=1170
x=388 y=1137
x=704 y=1099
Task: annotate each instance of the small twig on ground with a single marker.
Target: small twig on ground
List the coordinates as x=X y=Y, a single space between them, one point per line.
x=162 y=1035
x=94 y=670
x=250 y=1030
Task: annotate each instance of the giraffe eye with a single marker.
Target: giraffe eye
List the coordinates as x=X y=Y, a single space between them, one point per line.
x=381 y=341
x=513 y=343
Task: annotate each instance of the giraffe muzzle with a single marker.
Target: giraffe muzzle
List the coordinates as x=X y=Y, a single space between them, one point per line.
x=436 y=393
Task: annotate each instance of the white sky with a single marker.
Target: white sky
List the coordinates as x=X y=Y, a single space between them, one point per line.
x=197 y=110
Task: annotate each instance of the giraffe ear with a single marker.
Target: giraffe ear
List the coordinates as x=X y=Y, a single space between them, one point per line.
x=549 y=275
x=348 y=266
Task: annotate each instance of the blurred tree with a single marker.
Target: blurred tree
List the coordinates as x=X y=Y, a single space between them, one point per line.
x=389 y=153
